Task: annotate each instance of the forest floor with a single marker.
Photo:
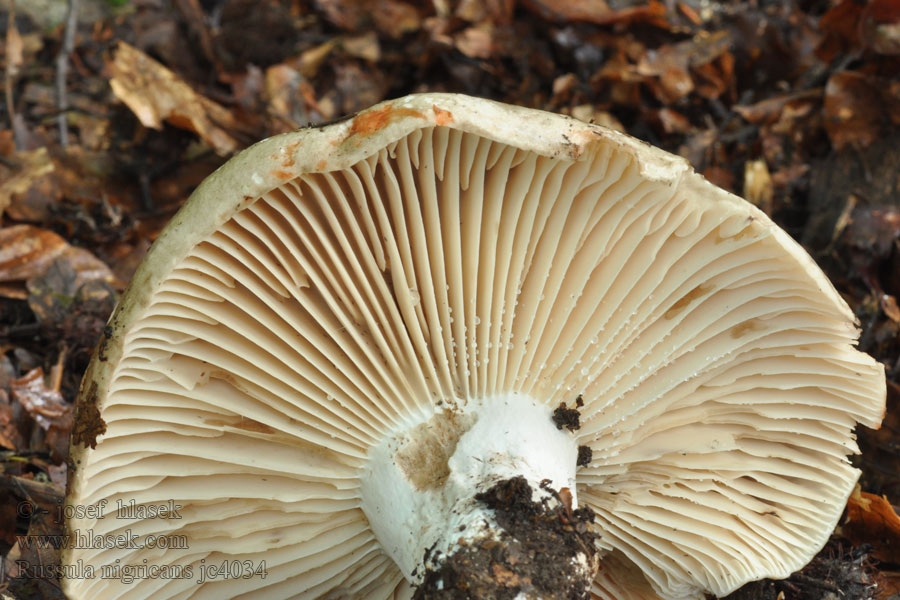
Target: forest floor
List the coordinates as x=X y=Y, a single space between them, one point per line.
x=112 y=115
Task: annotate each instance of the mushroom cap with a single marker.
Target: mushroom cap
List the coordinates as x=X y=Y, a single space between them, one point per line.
x=332 y=286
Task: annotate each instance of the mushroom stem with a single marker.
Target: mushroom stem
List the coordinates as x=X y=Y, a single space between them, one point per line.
x=479 y=500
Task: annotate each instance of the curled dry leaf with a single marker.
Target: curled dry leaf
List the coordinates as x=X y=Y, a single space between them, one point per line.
x=702 y=49
x=672 y=64
x=27 y=252
x=770 y=109
x=47 y=407
x=156 y=94
x=872 y=520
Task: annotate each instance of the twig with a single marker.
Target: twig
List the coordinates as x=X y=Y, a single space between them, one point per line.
x=11 y=68
x=56 y=371
x=62 y=70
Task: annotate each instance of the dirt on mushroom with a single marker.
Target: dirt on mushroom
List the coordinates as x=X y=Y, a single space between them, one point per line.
x=538 y=539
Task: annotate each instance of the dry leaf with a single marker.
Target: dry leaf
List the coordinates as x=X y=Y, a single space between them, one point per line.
x=673 y=121
x=702 y=49
x=395 y=18
x=476 y=42
x=890 y=308
x=758 y=187
x=34 y=164
x=311 y=60
x=596 y=11
x=872 y=520
x=880 y=26
x=770 y=109
x=10 y=437
x=156 y=94
x=841 y=27
x=27 y=252
x=390 y=16
x=363 y=46
x=45 y=501
x=853 y=110
x=47 y=407
x=284 y=94
x=15 y=55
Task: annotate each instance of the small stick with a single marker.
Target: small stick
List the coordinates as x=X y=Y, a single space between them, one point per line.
x=62 y=70
x=11 y=70
x=56 y=371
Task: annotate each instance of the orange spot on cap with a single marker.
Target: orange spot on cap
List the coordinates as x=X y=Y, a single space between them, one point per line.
x=441 y=117
x=370 y=121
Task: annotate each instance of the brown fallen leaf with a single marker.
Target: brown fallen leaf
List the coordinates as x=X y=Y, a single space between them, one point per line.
x=499 y=12
x=703 y=48
x=390 y=16
x=890 y=308
x=27 y=252
x=671 y=63
x=33 y=165
x=672 y=121
x=156 y=94
x=41 y=506
x=770 y=109
x=597 y=11
x=854 y=111
x=476 y=42
x=879 y=26
x=10 y=437
x=872 y=520
x=841 y=28
x=47 y=407
x=888 y=584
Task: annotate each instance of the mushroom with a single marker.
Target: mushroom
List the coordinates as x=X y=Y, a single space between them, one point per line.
x=450 y=346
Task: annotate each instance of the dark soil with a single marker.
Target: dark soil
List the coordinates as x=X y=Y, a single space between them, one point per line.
x=585 y=454
x=836 y=573
x=533 y=553
x=569 y=418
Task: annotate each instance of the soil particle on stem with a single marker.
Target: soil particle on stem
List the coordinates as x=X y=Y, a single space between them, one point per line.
x=539 y=551
x=569 y=418
x=585 y=454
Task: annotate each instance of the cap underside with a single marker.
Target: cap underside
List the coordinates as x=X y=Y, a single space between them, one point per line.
x=720 y=385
